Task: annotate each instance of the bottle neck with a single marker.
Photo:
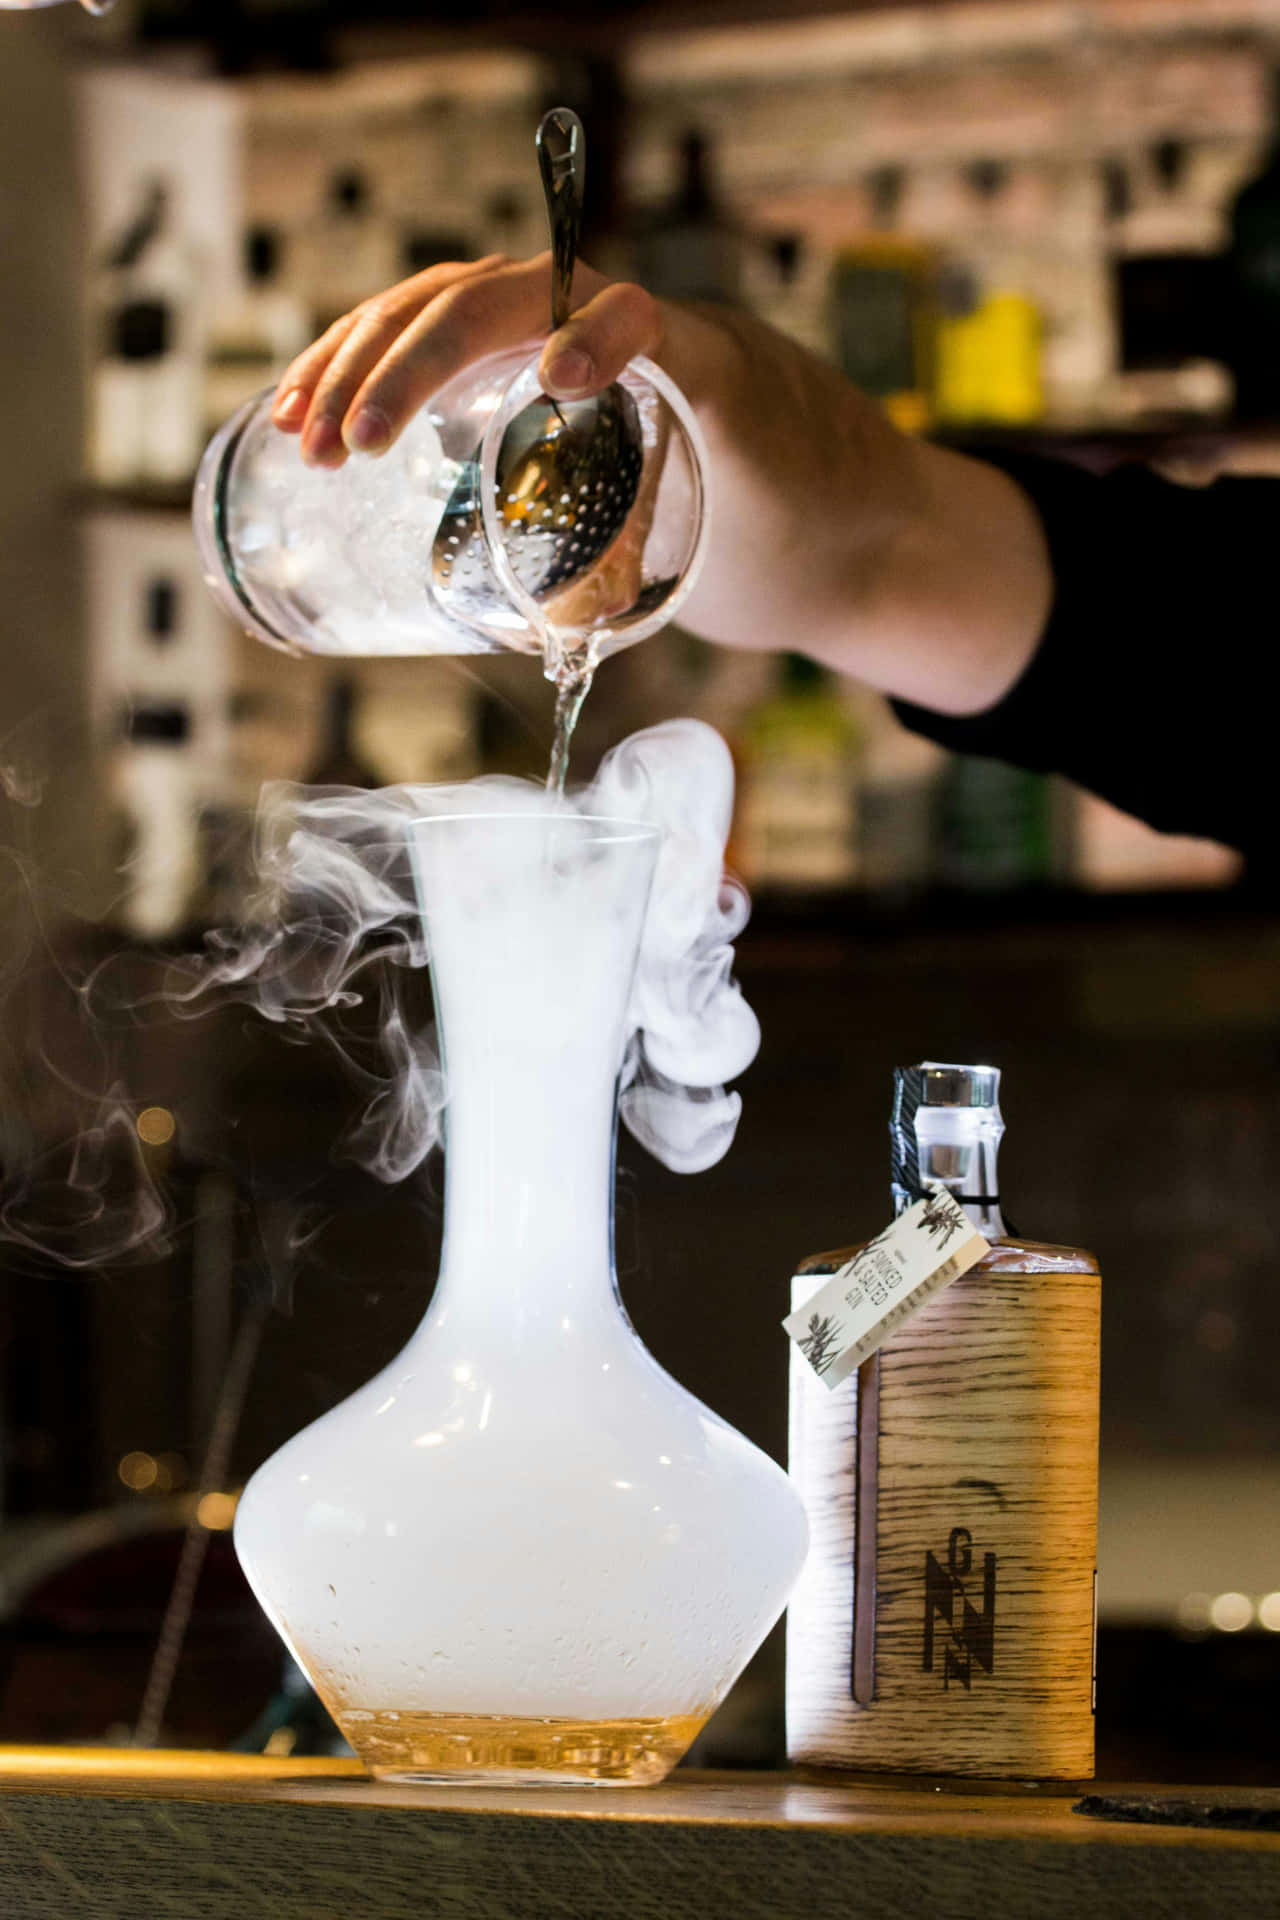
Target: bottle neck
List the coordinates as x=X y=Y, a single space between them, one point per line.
x=958 y=1147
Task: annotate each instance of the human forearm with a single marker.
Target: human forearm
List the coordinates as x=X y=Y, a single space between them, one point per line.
x=957 y=608
x=903 y=564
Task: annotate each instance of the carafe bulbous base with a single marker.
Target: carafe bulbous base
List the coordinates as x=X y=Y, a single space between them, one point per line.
x=551 y=1564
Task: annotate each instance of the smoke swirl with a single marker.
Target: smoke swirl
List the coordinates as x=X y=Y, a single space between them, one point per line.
x=334 y=923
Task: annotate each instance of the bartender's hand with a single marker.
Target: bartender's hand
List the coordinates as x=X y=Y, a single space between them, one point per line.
x=908 y=566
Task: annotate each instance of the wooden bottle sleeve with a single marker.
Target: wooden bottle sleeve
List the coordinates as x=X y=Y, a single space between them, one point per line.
x=945 y=1619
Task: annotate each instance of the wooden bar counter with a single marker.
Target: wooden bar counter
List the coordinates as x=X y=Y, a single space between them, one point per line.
x=126 y=1835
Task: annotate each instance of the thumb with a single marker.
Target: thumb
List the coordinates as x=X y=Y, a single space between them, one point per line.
x=597 y=341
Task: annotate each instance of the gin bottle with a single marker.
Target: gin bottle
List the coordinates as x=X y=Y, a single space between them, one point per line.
x=945 y=1620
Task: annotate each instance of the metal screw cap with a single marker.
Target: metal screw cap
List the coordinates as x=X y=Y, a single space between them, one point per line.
x=945 y=1084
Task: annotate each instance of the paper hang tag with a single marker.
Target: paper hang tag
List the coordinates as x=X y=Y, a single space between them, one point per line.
x=855 y=1309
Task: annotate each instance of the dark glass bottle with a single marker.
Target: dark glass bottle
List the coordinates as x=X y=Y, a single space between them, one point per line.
x=339 y=762
x=691 y=248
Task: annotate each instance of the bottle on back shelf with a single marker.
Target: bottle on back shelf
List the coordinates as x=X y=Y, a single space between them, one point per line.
x=339 y=762
x=796 y=821
x=898 y=786
x=156 y=788
x=254 y=335
x=349 y=252
x=883 y=308
x=145 y=411
x=988 y=355
x=999 y=827
x=987 y=368
x=945 y=1620
x=690 y=247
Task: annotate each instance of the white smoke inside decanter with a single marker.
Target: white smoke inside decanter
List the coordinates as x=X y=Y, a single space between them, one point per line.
x=336 y=919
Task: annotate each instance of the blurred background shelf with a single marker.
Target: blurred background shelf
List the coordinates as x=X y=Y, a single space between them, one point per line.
x=317 y=34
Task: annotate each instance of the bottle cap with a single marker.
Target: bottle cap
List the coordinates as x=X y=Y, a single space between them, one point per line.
x=939 y=1083
x=932 y=1084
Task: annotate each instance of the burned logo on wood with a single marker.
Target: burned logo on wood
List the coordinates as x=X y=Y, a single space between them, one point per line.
x=968 y=1634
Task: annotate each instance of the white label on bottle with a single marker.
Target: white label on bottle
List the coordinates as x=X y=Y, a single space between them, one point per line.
x=855 y=1310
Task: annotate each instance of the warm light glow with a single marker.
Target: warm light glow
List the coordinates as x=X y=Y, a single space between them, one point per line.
x=1231 y=1611
x=138 y=1471
x=156 y=1126
x=1269 y=1612
x=1193 y=1613
x=171 y=1473
x=216 y=1511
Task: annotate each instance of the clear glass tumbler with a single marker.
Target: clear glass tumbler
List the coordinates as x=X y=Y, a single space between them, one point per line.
x=342 y=562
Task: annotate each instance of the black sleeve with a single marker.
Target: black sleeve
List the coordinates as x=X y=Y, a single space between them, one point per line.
x=1149 y=683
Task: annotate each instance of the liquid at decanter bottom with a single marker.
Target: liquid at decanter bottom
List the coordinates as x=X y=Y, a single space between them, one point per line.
x=522 y=1568
x=442 y=1746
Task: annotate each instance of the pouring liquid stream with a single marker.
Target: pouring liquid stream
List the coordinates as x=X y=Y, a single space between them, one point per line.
x=571 y=670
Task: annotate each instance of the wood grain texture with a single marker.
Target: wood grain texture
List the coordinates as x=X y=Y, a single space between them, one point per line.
x=985 y=1534
x=232 y=1842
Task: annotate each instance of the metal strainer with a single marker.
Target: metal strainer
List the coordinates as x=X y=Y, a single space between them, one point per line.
x=568 y=472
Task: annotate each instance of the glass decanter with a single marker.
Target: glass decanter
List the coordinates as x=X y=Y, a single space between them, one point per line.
x=523 y=1552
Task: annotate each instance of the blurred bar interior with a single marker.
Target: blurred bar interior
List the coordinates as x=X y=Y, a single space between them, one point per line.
x=1012 y=221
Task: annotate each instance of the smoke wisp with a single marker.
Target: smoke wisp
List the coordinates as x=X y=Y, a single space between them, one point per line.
x=75 y=1186
x=334 y=925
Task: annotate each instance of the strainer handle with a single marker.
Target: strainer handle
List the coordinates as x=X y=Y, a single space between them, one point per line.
x=561 y=159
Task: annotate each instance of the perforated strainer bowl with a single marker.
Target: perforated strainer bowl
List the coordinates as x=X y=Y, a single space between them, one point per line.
x=624 y=577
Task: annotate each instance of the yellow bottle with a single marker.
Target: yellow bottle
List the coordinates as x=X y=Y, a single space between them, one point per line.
x=987 y=364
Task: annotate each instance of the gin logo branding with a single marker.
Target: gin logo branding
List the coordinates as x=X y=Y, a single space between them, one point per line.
x=941 y=1218
x=819 y=1342
x=856 y=1308
x=953 y=1625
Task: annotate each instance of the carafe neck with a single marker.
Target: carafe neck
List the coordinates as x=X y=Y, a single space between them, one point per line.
x=529 y=1207
x=533 y=926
